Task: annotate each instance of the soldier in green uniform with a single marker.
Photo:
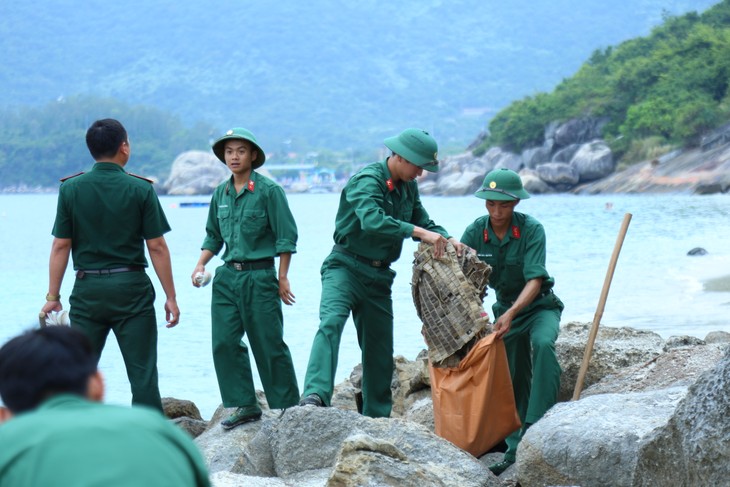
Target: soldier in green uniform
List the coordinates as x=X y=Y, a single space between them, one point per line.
x=379 y=208
x=249 y=213
x=527 y=312
x=61 y=434
x=103 y=219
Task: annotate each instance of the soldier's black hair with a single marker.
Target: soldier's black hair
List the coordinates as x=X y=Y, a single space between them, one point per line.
x=104 y=138
x=42 y=363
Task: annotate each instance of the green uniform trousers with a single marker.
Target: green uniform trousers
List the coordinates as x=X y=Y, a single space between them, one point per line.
x=248 y=303
x=533 y=365
x=123 y=303
x=349 y=285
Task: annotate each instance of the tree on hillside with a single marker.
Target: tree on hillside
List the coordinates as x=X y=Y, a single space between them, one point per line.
x=672 y=84
x=40 y=145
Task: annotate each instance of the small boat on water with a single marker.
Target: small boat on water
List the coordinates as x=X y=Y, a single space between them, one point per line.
x=194 y=204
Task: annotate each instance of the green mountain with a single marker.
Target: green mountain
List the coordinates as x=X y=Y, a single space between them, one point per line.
x=663 y=90
x=302 y=75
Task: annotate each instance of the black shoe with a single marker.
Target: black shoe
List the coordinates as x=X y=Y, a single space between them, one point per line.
x=241 y=415
x=500 y=447
x=498 y=468
x=312 y=400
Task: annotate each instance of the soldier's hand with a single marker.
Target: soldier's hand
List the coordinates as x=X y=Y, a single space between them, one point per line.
x=460 y=247
x=172 y=313
x=285 y=291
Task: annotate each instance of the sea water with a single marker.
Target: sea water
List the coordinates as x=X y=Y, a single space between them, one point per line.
x=656 y=286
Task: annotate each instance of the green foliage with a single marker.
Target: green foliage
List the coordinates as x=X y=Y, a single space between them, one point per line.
x=324 y=74
x=672 y=84
x=39 y=145
x=646 y=149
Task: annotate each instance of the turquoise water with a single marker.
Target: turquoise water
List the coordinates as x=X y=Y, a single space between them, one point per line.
x=656 y=286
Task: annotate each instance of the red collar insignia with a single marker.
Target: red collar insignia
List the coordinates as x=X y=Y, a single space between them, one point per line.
x=251 y=185
x=389 y=184
x=486 y=235
x=515 y=231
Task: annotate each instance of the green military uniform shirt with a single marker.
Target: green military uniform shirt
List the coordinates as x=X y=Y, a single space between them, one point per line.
x=375 y=214
x=108 y=214
x=254 y=224
x=518 y=258
x=69 y=441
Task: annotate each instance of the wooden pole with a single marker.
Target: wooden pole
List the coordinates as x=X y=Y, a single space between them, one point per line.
x=601 y=305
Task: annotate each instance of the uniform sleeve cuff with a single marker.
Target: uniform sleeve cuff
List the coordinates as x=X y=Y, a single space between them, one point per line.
x=284 y=246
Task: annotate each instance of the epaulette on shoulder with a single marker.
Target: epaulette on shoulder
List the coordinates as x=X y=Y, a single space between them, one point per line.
x=72 y=176
x=141 y=177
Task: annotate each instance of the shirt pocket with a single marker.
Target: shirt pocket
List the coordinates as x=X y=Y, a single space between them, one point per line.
x=513 y=274
x=225 y=222
x=406 y=211
x=254 y=222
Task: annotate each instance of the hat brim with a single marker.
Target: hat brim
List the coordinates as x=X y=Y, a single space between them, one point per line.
x=500 y=195
x=220 y=145
x=394 y=144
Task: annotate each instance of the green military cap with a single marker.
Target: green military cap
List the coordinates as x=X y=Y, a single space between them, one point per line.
x=502 y=185
x=241 y=134
x=417 y=147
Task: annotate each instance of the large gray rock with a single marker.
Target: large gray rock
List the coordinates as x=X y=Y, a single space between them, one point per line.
x=459 y=184
x=222 y=449
x=677 y=366
x=672 y=436
x=379 y=451
x=497 y=158
x=535 y=156
x=565 y=154
x=558 y=174
x=578 y=130
x=195 y=172
x=593 y=160
x=532 y=183
x=594 y=441
x=693 y=448
x=613 y=350
x=460 y=174
x=178 y=408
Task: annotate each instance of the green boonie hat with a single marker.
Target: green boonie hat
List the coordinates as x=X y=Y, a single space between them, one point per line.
x=417 y=147
x=502 y=185
x=241 y=134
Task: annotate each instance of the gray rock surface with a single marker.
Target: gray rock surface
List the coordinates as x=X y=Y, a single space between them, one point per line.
x=648 y=405
x=693 y=448
x=309 y=439
x=558 y=174
x=678 y=366
x=593 y=160
x=678 y=171
x=578 y=130
x=594 y=441
x=195 y=172
x=660 y=436
x=534 y=156
x=613 y=350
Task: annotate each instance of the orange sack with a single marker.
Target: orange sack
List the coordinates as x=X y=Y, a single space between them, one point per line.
x=473 y=404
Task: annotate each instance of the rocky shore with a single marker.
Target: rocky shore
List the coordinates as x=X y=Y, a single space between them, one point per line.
x=652 y=412
x=574 y=158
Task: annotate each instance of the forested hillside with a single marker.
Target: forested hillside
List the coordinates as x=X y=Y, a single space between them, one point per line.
x=663 y=90
x=303 y=75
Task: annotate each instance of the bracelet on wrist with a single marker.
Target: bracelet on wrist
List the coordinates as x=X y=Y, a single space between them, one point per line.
x=53 y=297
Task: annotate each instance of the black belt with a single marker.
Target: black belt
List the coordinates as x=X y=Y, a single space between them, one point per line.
x=381 y=264
x=252 y=265
x=96 y=272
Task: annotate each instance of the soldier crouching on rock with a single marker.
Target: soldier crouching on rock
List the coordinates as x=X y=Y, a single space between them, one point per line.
x=526 y=312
